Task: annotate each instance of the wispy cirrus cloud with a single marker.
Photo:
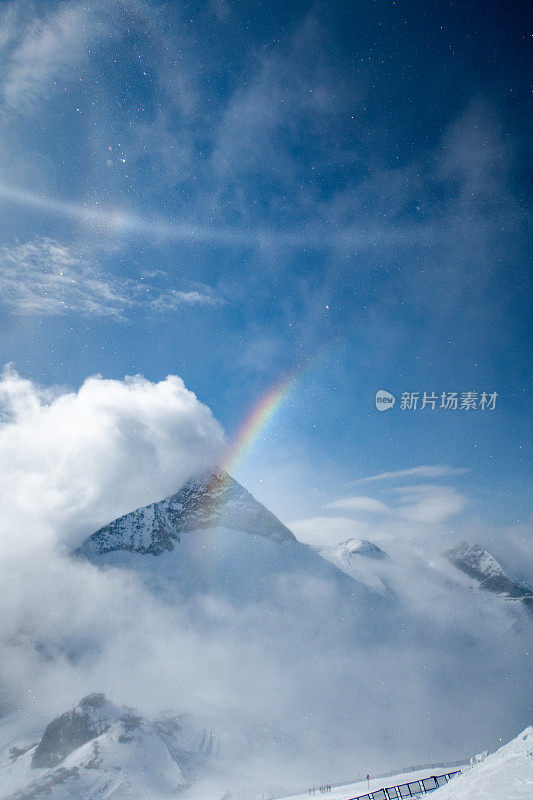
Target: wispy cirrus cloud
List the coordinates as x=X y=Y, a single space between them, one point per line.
x=173 y=299
x=114 y=221
x=46 y=277
x=422 y=512
x=261 y=164
x=413 y=510
x=42 y=50
x=423 y=471
x=428 y=504
x=360 y=503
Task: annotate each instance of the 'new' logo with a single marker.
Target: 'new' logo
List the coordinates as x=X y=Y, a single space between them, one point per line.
x=384 y=400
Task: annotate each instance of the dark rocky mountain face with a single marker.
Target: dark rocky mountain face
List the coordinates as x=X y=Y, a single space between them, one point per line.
x=69 y=731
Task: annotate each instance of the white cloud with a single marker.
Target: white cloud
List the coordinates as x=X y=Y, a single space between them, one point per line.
x=425 y=471
x=429 y=504
x=46 y=51
x=117 y=223
x=45 y=277
x=360 y=503
x=174 y=299
x=319 y=531
x=9 y=22
x=75 y=460
x=414 y=513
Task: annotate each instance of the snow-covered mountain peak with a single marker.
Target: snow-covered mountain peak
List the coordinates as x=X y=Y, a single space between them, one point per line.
x=98 y=748
x=360 y=559
x=206 y=501
x=478 y=563
x=362 y=547
x=92 y=717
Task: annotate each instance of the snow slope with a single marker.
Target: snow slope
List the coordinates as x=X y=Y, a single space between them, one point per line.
x=507 y=774
x=362 y=787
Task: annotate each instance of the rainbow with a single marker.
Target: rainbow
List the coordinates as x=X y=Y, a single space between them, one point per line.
x=241 y=443
x=268 y=404
x=219 y=482
x=260 y=415
x=266 y=407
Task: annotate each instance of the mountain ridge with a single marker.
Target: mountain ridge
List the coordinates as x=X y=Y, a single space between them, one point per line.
x=206 y=501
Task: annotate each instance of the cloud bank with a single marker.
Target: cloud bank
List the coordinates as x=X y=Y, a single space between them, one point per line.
x=77 y=459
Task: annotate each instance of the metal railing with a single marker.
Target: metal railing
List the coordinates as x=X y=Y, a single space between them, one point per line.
x=414 y=788
x=437 y=765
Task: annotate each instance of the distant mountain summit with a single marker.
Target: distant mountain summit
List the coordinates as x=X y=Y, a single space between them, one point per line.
x=362 y=547
x=100 y=749
x=361 y=560
x=209 y=501
x=478 y=563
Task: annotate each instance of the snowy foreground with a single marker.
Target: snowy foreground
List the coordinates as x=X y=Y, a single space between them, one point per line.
x=101 y=750
x=507 y=774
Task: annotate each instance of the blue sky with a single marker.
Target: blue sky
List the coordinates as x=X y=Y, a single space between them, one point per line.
x=234 y=192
